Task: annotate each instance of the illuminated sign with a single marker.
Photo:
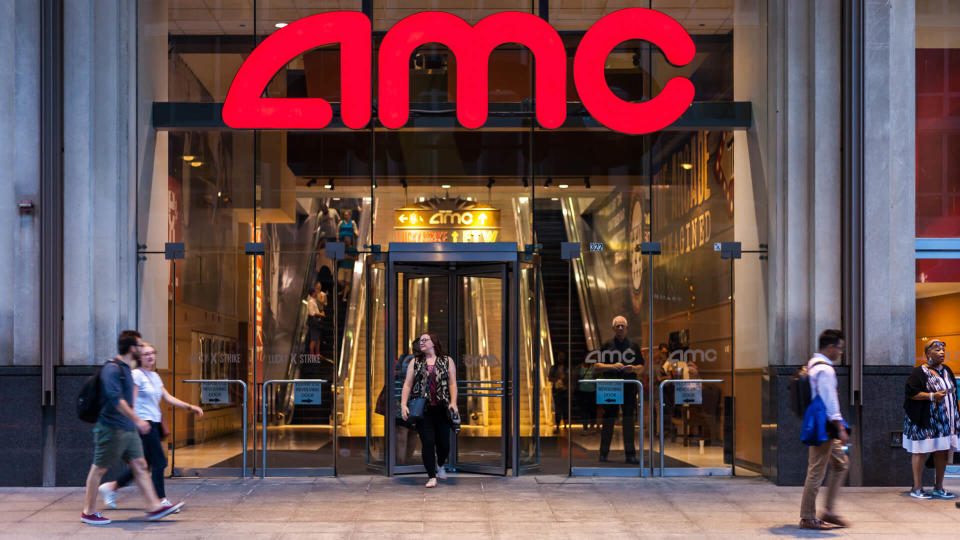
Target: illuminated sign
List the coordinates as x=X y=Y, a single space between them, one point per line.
x=447 y=220
x=246 y=108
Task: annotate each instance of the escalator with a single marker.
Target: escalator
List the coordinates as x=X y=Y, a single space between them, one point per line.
x=550 y=231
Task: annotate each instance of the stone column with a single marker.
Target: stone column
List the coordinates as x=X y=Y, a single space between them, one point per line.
x=803 y=156
x=890 y=183
x=20 y=155
x=99 y=171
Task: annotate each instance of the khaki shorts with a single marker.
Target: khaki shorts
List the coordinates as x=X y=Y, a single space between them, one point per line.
x=111 y=445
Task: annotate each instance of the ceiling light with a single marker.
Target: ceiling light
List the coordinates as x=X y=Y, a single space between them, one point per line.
x=445 y=186
x=336 y=198
x=328 y=186
x=554 y=198
x=563 y=186
x=196 y=163
x=188 y=158
x=280 y=24
x=686 y=166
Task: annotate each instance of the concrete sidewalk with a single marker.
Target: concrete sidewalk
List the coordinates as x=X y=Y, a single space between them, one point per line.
x=478 y=507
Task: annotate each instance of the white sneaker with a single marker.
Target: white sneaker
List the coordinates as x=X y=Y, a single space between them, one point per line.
x=109 y=495
x=166 y=502
x=442 y=473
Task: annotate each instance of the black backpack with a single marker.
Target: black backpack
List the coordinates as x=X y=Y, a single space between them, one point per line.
x=88 y=401
x=800 y=393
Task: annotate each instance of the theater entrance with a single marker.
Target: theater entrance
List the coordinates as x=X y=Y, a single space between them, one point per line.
x=468 y=295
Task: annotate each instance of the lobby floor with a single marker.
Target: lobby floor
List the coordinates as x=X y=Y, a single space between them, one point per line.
x=478 y=507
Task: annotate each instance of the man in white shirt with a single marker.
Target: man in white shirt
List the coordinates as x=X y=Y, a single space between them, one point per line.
x=823 y=383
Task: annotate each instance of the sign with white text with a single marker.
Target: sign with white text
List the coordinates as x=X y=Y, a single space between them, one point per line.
x=307 y=393
x=214 y=393
x=689 y=394
x=609 y=393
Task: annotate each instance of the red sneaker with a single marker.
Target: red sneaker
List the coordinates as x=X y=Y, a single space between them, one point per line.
x=164 y=511
x=95 y=518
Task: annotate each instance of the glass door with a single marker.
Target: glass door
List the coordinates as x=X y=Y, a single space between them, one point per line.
x=482 y=360
x=423 y=306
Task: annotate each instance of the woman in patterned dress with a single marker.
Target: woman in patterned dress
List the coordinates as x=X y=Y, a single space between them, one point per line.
x=432 y=375
x=932 y=421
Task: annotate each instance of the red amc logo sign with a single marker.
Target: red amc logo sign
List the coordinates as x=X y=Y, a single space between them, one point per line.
x=245 y=108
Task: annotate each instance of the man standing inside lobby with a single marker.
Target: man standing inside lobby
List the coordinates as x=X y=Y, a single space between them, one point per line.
x=620 y=358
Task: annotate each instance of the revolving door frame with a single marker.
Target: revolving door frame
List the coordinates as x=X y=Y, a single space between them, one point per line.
x=476 y=255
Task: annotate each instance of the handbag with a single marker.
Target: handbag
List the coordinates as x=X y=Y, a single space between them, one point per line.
x=416 y=407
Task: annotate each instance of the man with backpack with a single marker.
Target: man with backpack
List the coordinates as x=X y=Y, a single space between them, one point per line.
x=115 y=433
x=824 y=399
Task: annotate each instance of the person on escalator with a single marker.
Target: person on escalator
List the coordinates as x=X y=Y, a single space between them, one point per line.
x=315 y=301
x=347 y=227
x=620 y=358
x=329 y=220
x=345 y=268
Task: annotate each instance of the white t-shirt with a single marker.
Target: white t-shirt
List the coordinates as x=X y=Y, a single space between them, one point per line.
x=149 y=393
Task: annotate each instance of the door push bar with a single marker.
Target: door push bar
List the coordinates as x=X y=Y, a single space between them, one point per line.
x=263 y=417
x=492 y=389
x=664 y=383
x=243 y=470
x=639 y=405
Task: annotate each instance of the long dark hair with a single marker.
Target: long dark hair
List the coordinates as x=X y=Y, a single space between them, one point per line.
x=437 y=347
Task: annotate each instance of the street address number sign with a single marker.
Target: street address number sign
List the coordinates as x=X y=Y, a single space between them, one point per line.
x=246 y=108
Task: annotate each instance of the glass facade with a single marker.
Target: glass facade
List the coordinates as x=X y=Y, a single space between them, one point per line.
x=938 y=173
x=323 y=254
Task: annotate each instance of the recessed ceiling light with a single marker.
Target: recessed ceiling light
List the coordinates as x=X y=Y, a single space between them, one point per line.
x=686 y=166
x=196 y=163
x=563 y=186
x=189 y=158
x=280 y=24
x=445 y=186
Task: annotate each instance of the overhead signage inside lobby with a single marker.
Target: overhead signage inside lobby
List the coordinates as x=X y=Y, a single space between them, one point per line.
x=246 y=108
x=447 y=220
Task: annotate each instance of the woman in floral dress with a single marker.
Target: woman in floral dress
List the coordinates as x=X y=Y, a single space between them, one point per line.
x=932 y=421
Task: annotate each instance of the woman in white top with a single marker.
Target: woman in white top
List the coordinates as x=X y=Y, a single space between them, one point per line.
x=147 y=392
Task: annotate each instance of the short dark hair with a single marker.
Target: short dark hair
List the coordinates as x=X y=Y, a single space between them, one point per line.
x=828 y=338
x=127 y=340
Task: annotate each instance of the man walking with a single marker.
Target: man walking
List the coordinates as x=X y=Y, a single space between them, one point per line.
x=620 y=358
x=823 y=383
x=115 y=434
